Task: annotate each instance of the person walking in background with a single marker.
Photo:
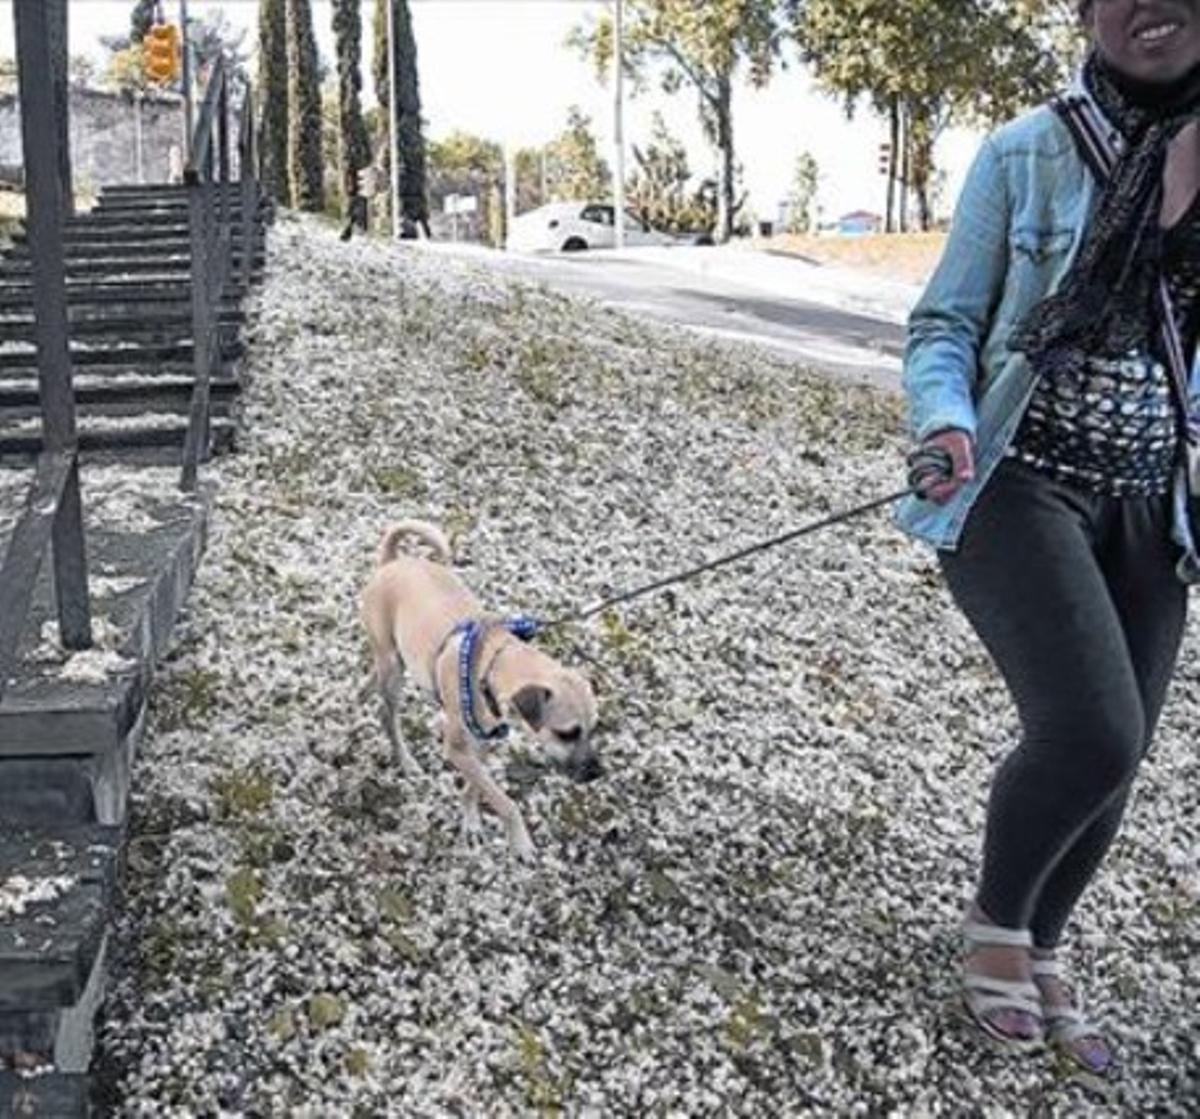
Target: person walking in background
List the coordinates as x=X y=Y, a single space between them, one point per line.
x=1053 y=358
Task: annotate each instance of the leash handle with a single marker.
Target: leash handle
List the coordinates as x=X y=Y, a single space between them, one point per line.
x=927 y=467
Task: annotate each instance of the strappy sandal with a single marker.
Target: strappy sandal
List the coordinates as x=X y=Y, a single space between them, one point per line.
x=983 y=995
x=1066 y=1026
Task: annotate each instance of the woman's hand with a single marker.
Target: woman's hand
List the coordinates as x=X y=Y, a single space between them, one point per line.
x=959 y=448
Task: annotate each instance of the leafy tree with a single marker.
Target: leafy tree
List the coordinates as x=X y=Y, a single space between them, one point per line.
x=354 y=145
x=659 y=189
x=273 y=89
x=306 y=172
x=212 y=37
x=574 y=167
x=414 y=202
x=702 y=45
x=464 y=164
x=925 y=64
x=804 y=194
x=125 y=70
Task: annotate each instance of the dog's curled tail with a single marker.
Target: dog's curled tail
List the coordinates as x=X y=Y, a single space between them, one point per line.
x=422 y=530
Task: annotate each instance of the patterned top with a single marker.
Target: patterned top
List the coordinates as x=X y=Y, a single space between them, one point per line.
x=1110 y=426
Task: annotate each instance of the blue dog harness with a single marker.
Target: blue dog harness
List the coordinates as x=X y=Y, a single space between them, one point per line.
x=472 y=630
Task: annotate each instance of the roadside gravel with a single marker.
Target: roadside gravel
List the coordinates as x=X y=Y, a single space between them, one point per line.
x=754 y=913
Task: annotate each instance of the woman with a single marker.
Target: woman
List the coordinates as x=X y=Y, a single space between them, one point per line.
x=1036 y=362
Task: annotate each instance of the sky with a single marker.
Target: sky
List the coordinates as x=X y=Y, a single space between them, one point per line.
x=501 y=69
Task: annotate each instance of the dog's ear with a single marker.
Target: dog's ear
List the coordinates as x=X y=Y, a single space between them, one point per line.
x=531 y=702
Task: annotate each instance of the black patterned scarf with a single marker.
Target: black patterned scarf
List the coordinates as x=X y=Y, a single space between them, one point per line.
x=1104 y=306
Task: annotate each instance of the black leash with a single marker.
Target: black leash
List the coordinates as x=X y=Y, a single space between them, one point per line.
x=927 y=467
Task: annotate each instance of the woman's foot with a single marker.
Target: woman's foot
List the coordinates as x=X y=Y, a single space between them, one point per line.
x=998 y=983
x=1081 y=1040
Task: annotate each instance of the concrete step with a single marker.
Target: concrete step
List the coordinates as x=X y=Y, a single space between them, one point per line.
x=161 y=395
x=149 y=190
x=60 y=885
x=120 y=267
x=172 y=321
x=131 y=250
x=58 y=1095
x=17 y=291
x=123 y=299
x=138 y=213
x=118 y=334
x=122 y=436
x=99 y=372
x=137 y=355
x=67 y=741
x=121 y=237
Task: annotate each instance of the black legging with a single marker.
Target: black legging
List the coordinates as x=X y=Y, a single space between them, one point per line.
x=1076 y=599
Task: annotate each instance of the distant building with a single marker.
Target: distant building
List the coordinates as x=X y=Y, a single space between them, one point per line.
x=858 y=222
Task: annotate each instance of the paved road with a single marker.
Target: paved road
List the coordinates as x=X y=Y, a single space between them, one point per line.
x=845 y=343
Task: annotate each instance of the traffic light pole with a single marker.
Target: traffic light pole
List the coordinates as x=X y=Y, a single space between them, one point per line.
x=186 y=79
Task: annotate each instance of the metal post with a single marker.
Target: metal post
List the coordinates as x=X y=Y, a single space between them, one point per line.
x=139 y=154
x=510 y=190
x=246 y=166
x=186 y=79
x=619 y=126
x=393 y=132
x=195 y=444
x=62 y=94
x=223 y=176
x=39 y=23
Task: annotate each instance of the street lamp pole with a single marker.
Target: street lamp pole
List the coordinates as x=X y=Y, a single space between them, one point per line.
x=619 y=126
x=394 y=154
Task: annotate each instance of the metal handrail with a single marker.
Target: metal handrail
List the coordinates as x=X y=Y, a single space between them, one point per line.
x=210 y=221
x=202 y=133
x=52 y=519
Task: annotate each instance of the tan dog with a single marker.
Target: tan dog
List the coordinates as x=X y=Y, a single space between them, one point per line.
x=412 y=607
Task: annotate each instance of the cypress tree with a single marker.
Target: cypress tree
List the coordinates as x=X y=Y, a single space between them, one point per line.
x=414 y=202
x=305 y=167
x=414 y=198
x=273 y=84
x=354 y=145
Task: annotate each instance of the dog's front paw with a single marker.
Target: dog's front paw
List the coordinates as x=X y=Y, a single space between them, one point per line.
x=521 y=845
x=472 y=825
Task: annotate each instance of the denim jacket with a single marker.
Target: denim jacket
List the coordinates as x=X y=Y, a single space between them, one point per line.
x=1017 y=229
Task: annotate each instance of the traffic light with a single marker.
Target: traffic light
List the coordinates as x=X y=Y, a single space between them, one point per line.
x=160 y=53
x=885 y=159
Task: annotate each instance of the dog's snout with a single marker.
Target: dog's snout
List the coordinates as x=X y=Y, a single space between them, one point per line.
x=588 y=769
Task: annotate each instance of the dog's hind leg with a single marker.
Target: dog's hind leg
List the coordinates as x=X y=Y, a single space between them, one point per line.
x=389 y=673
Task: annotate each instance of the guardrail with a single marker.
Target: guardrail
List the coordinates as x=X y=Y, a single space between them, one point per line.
x=53 y=514
x=210 y=220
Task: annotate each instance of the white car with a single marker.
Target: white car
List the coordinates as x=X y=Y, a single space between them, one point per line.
x=574 y=226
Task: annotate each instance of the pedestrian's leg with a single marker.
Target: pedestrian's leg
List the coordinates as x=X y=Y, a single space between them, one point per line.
x=1138 y=562
x=1139 y=566
x=1027 y=578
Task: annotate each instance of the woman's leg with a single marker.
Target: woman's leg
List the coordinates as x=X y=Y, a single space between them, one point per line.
x=1137 y=558
x=1028 y=578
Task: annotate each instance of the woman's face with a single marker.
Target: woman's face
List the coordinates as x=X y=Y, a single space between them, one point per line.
x=1150 y=40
